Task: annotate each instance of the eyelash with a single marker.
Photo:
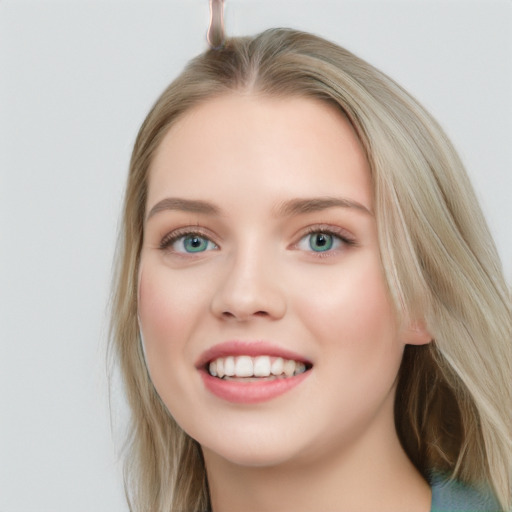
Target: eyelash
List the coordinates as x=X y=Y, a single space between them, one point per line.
x=339 y=234
x=169 y=239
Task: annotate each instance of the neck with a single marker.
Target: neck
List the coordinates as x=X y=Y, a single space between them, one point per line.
x=372 y=474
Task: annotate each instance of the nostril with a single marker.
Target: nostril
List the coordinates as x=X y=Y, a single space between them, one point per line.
x=230 y=315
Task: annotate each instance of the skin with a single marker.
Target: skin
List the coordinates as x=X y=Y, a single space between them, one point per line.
x=329 y=443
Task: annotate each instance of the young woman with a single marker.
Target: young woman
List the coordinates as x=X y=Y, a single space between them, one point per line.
x=309 y=312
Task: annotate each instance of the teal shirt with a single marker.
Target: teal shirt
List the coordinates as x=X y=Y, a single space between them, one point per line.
x=457 y=497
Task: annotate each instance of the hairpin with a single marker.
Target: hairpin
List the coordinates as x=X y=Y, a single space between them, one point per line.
x=215 y=35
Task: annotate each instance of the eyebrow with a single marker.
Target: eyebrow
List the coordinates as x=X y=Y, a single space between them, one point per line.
x=303 y=206
x=287 y=208
x=184 y=205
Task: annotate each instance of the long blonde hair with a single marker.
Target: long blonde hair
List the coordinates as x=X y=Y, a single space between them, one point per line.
x=453 y=401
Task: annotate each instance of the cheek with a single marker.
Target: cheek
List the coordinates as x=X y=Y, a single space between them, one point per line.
x=159 y=308
x=352 y=316
x=359 y=349
x=169 y=308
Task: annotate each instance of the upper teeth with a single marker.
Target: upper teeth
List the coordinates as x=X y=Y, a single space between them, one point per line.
x=260 y=366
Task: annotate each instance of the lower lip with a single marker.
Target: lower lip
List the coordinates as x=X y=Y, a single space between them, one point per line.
x=250 y=392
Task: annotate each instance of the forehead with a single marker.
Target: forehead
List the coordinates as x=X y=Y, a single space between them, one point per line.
x=251 y=143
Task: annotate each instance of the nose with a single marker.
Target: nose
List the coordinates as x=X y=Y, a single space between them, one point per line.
x=249 y=288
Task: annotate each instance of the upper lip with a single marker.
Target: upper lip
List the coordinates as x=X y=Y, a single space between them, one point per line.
x=248 y=348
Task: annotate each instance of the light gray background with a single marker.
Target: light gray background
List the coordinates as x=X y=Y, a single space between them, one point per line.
x=76 y=79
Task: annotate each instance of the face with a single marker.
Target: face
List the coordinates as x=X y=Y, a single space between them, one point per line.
x=260 y=265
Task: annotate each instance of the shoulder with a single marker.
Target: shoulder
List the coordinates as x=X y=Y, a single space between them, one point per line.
x=455 y=496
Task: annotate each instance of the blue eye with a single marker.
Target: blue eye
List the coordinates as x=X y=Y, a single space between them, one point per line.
x=320 y=241
x=195 y=243
x=189 y=243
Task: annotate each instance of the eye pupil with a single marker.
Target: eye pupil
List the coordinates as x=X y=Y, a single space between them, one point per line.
x=195 y=244
x=321 y=242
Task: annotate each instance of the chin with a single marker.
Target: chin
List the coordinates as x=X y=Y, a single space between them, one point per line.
x=249 y=459
x=248 y=452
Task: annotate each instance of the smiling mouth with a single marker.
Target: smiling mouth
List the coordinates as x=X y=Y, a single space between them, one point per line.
x=255 y=369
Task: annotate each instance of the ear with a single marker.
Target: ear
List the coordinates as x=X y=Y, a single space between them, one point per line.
x=416 y=333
